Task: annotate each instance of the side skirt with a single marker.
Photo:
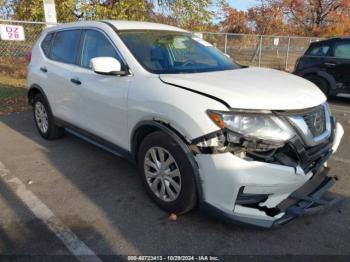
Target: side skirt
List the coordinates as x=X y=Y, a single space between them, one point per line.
x=95 y=140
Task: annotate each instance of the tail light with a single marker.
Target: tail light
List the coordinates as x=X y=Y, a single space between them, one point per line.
x=28 y=57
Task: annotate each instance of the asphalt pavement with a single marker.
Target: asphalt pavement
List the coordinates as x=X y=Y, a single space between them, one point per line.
x=68 y=191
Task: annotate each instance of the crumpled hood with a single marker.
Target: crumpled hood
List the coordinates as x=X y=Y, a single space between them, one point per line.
x=252 y=88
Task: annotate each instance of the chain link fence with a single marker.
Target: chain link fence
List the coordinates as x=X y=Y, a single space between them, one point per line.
x=13 y=53
x=278 y=52
x=253 y=50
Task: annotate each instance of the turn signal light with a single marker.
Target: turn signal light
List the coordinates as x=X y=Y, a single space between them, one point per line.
x=216 y=119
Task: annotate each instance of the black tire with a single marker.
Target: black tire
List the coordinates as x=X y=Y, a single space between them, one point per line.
x=53 y=131
x=187 y=197
x=320 y=82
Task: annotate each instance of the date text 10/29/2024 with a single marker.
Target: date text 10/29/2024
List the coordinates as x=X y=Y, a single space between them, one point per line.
x=173 y=258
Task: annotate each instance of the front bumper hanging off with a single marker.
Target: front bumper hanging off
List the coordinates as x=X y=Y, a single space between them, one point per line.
x=308 y=199
x=285 y=192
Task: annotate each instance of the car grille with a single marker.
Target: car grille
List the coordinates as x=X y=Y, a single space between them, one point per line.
x=316 y=121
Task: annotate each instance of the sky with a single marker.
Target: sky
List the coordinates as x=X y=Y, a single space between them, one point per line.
x=241 y=4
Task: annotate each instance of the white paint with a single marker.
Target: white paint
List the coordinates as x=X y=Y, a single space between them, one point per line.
x=12 y=33
x=42 y=212
x=197 y=34
x=276 y=41
x=201 y=41
x=252 y=88
x=135 y=25
x=105 y=65
x=50 y=11
x=339 y=132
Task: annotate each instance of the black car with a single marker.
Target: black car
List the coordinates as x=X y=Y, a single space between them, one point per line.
x=327 y=64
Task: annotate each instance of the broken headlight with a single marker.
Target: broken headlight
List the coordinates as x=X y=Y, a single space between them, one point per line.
x=252 y=125
x=253 y=131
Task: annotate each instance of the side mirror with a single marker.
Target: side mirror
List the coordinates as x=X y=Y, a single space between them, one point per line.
x=107 y=66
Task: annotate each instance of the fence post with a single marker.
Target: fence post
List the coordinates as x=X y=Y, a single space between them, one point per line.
x=260 y=45
x=226 y=43
x=287 y=56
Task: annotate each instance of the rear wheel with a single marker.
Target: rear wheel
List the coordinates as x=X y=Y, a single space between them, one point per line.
x=44 y=119
x=167 y=173
x=320 y=82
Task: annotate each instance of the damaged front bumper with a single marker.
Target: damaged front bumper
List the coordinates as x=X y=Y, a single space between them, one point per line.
x=265 y=194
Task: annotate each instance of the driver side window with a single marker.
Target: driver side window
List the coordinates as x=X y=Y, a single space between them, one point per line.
x=95 y=44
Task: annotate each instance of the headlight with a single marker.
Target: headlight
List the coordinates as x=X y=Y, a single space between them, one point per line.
x=253 y=125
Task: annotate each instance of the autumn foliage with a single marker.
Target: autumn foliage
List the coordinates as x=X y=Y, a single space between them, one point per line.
x=291 y=17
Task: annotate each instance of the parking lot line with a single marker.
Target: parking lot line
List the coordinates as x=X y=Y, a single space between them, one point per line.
x=42 y=212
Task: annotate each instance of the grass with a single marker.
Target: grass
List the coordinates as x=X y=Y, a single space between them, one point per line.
x=8 y=92
x=13 y=95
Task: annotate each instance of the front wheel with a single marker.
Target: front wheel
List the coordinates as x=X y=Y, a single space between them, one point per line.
x=167 y=173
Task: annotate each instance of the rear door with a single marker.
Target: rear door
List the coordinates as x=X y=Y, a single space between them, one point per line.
x=60 y=68
x=315 y=57
x=339 y=64
x=102 y=107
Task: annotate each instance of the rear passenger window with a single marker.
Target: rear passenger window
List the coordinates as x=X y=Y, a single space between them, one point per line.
x=95 y=44
x=342 y=50
x=65 y=46
x=319 y=50
x=46 y=44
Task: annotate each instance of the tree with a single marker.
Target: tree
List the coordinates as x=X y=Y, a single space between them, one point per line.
x=235 y=21
x=189 y=14
x=33 y=10
x=268 y=18
x=117 y=9
x=5 y=9
x=315 y=17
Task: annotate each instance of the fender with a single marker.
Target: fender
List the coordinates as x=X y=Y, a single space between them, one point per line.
x=179 y=139
x=35 y=86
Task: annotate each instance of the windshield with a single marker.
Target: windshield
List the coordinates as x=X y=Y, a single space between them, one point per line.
x=165 y=52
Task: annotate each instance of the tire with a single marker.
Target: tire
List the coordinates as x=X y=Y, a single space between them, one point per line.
x=44 y=120
x=320 y=82
x=180 y=171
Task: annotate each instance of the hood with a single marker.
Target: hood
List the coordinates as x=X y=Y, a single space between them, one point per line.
x=252 y=88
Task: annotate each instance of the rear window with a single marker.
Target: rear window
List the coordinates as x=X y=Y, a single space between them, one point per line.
x=342 y=50
x=65 y=46
x=46 y=44
x=319 y=50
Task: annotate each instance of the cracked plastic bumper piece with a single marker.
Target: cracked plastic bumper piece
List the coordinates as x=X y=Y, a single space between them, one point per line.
x=285 y=192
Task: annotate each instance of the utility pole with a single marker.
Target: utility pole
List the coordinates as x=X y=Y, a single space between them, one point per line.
x=50 y=12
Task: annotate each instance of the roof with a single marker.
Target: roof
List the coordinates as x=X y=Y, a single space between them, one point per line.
x=331 y=40
x=134 y=25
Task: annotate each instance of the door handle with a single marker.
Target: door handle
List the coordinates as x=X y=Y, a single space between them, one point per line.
x=330 y=64
x=43 y=69
x=75 y=81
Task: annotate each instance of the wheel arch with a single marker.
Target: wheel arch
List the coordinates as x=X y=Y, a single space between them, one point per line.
x=328 y=77
x=146 y=127
x=33 y=91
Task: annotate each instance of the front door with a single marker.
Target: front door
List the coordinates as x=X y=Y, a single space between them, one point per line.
x=102 y=107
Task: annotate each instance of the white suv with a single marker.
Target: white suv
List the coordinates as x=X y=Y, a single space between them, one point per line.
x=248 y=143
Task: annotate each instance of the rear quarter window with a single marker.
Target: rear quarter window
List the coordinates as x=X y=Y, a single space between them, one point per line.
x=46 y=44
x=342 y=50
x=65 y=46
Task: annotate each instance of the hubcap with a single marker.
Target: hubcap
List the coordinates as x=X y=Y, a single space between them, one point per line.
x=162 y=174
x=41 y=117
